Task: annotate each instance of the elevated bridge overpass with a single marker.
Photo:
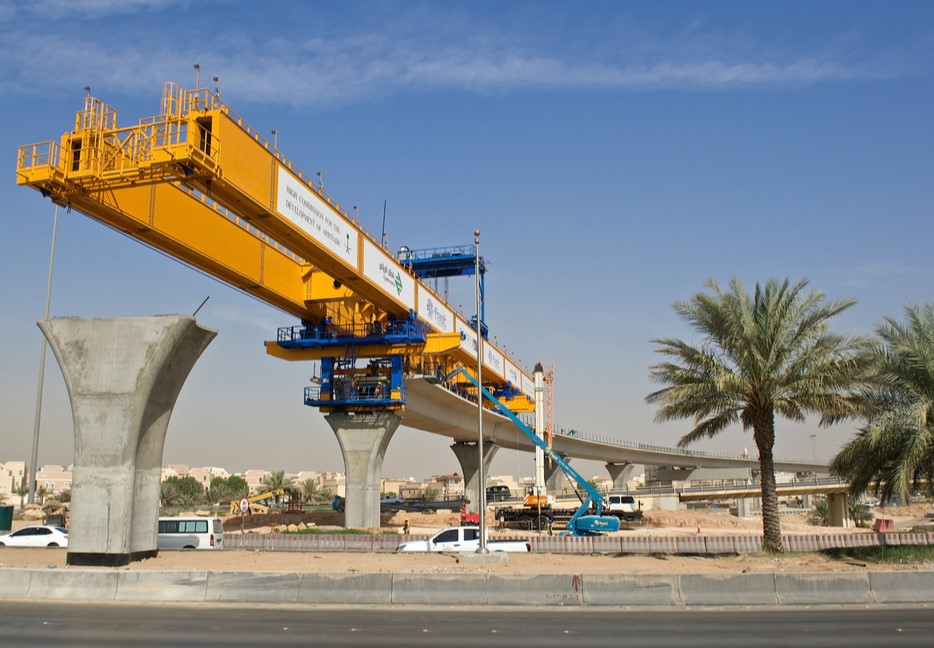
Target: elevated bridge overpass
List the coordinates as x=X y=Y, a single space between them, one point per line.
x=199 y=184
x=434 y=407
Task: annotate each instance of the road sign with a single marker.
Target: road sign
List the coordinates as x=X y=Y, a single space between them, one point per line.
x=244 y=505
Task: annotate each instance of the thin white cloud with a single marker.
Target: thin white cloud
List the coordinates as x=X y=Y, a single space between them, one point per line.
x=328 y=71
x=67 y=8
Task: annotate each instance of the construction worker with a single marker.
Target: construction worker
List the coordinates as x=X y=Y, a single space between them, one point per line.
x=405 y=527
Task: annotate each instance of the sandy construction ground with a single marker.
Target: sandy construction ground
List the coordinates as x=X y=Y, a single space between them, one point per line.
x=657 y=523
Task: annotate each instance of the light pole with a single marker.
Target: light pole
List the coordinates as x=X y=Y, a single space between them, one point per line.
x=813 y=448
x=481 y=486
x=34 y=458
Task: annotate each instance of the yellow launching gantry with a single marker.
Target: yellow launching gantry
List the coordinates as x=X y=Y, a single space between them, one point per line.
x=199 y=184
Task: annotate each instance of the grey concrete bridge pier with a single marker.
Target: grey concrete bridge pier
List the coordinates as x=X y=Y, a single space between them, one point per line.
x=620 y=473
x=469 y=458
x=363 y=438
x=123 y=377
x=554 y=476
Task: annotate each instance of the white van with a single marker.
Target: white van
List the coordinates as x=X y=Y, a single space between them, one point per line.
x=190 y=533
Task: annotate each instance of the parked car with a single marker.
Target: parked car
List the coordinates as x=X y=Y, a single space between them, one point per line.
x=462 y=539
x=498 y=493
x=36 y=536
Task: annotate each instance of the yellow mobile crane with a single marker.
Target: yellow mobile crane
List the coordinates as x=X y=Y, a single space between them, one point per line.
x=256 y=506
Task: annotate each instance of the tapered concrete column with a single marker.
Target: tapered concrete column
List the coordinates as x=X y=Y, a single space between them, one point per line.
x=469 y=458
x=837 y=509
x=620 y=474
x=363 y=439
x=554 y=476
x=123 y=377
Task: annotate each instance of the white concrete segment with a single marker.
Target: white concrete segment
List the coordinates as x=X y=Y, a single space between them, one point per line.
x=123 y=377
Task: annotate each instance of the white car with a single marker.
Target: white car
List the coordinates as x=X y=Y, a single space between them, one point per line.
x=36 y=536
x=462 y=539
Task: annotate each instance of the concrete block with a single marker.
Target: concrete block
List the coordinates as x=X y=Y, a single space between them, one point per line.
x=903 y=539
x=439 y=589
x=728 y=589
x=902 y=586
x=747 y=544
x=161 y=586
x=252 y=587
x=492 y=558
x=634 y=589
x=350 y=589
x=720 y=545
x=73 y=584
x=332 y=542
x=832 y=541
x=538 y=589
x=548 y=544
x=635 y=544
x=693 y=544
x=606 y=544
x=863 y=540
x=823 y=588
x=800 y=543
x=388 y=543
x=14 y=583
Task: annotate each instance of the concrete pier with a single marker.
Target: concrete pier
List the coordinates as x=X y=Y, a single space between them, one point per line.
x=469 y=457
x=123 y=377
x=363 y=438
x=554 y=476
x=620 y=474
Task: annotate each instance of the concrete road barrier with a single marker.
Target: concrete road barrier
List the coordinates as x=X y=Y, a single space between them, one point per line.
x=537 y=589
x=634 y=589
x=823 y=588
x=258 y=587
x=74 y=585
x=345 y=589
x=14 y=583
x=179 y=586
x=439 y=589
x=728 y=589
x=902 y=587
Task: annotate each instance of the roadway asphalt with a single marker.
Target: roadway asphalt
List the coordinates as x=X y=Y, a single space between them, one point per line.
x=109 y=624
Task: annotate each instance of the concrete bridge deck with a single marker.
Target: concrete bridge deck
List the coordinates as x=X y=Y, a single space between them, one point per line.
x=433 y=408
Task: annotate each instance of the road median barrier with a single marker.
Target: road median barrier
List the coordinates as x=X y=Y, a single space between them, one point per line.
x=728 y=589
x=823 y=588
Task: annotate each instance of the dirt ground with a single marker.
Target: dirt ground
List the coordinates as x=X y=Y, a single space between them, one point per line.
x=656 y=523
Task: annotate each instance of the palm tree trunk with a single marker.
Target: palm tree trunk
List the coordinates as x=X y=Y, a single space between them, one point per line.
x=764 y=434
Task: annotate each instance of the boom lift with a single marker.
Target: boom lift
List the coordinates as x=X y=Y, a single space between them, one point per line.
x=582 y=523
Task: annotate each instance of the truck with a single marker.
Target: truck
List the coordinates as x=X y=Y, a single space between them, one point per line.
x=540 y=518
x=463 y=538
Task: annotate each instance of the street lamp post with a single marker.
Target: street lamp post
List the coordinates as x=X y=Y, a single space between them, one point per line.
x=34 y=457
x=481 y=486
x=813 y=448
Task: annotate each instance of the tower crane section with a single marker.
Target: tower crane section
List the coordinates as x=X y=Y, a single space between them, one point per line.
x=198 y=183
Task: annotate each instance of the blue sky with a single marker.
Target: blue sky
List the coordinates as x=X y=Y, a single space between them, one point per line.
x=614 y=155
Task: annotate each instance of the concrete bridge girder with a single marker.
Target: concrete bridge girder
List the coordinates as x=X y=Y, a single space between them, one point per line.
x=123 y=377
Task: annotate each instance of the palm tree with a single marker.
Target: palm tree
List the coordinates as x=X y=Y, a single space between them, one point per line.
x=895 y=451
x=274 y=480
x=761 y=355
